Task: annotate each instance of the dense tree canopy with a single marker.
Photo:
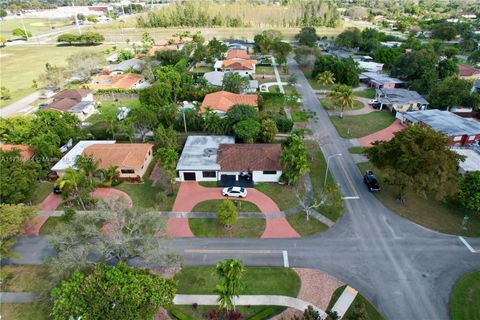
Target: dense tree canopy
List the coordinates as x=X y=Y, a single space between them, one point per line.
x=470 y=191
x=417 y=159
x=247 y=130
x=307 y=37
x=453 y=92
x=112 y=292
x=419 y=67
x=345 y=70
x=12 y=220
x=294 y=159
x=236 y=83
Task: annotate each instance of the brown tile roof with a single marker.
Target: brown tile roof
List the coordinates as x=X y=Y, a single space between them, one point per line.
x=173 y=40
x=25 y=151
x=237 y=54
x=75 y=94
x=122 y=155
x=156 y=48
x=62 y=104
x=239 y=64
x=122 y=81
x=224 y=100
x=249 y=157
x=467 y=71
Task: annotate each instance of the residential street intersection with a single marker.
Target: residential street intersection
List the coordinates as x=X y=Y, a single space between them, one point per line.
x=405 y=270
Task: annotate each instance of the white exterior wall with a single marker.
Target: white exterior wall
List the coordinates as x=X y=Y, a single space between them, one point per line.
x=198 y=176
x=258 y=176
x=244 y=72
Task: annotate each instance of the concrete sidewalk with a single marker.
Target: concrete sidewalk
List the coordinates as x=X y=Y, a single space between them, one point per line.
x=277 y=75
x=248 y=300
x=18 y=297
x=344 y=301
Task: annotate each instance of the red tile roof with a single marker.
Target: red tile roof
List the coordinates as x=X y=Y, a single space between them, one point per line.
x=237 y=54
x=224 y=100
x=24 y=150
x=122 y=155
x=467 y=71
x=249 y=157
x=239 y=64
x=122 y=81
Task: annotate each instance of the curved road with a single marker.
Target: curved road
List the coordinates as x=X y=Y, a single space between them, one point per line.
x=405 y=270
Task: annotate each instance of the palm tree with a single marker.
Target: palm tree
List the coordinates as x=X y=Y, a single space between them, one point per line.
x=232 y=272
x=326 y=78
x=342 y=95
x=109 y=174
x=88 y=164
x=71 y=183
x=224 y=298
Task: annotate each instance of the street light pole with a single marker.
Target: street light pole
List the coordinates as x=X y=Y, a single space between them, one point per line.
x=326 y=170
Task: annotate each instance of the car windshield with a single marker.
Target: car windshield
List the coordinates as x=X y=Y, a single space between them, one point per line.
x=242 y=190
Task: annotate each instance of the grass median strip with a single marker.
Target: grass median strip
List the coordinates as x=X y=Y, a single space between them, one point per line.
x=306 y=227
x=212 y=228
x=465 y=299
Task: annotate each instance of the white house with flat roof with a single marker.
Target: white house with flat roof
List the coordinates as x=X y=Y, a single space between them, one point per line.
x=68 y=160
x=471 y=162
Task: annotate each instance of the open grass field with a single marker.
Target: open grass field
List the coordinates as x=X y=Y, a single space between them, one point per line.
x=19 y=65
x=212 y=228
x=445 y=217
x=360 y=302
x=146 y=196
x=306 y=228
x=362 y=125
x=34 y=25
x=328 y=104
x=211 y=206
x=465 y=299
x=24 y=311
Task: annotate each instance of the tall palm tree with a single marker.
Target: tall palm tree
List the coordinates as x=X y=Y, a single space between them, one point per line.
x=342 y=95
x=88 y=164
x=232 y=272
x=71 y=183
x=326 y=78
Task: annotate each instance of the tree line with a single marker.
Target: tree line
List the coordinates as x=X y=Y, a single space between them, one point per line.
x=209 y=14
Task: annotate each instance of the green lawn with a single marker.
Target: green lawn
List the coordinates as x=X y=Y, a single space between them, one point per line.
x=465 y=299
x=304 y=227
x=356 y=150
x=328 y=104
x=445 y=217
x=208 y=184
x=360 y=302
x=108 y=110
x=50 y=225
x=318 y=166
x=201 y=312
x=42 y=190
x=22 y=64
x=256 y=280
x=242 y=228
x=362 y=125
x=367 y=93
x=24 y=311
x=276 y=104
x=302 y=116
x=211 y=206
x=145 y=196
x=34 y=25
x=261 y=70
x=283 y=195
x=23 y=278
x=202 y=69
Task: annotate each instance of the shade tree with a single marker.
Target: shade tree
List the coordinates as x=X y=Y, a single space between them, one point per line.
x=13 y=218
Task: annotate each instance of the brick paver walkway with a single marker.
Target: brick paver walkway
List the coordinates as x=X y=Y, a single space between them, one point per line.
x=191 y=193
x=385 y=134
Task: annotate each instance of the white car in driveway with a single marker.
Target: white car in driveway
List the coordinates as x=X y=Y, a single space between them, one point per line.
x=237 y=192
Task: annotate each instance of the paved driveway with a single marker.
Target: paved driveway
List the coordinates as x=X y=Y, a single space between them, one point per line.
x=385 y=134
x=191 y=193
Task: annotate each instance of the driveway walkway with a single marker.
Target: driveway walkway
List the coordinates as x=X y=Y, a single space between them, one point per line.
x=277 y=76
x=191 y=193
x=248 y=300
x=344 y=301
x=385 y=134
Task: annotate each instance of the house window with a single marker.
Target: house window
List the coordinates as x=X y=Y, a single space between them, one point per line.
x=458 y=138
x=177 y=174
x=127 y=171
x=471 y=138
x=209 y=174
x=269 y=172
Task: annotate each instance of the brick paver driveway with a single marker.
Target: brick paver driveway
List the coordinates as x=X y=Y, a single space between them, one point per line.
x=191 y=193
x=385 y=134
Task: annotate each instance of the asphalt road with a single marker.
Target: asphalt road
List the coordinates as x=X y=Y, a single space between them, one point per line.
x=405 y=270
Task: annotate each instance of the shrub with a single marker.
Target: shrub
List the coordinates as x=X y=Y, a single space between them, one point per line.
x=284 y=125
x=68 y=214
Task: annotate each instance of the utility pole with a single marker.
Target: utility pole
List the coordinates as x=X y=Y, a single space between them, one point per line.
x=76 y=18
x=184 y=119
x=23 y=25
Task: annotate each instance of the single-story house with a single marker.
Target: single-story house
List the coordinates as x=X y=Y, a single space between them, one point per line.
x=125 y=66
x=243 y=67
x=237 y=54
x=120 y=81
x=48 y=92
x=460 y=131
x=471 y=162
x=221 y=101
x=400 y=100
x=379 y=80
x=467 y=72
x=132 y=159
x=476 y=86
x=25 y=151
x=169 y=44
x=370 y=66
x=215 y=78
x=239 y=44
x=218 y=158
x=79 y=102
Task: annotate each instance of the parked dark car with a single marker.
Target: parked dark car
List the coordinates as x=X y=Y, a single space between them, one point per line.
x=371 y=181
